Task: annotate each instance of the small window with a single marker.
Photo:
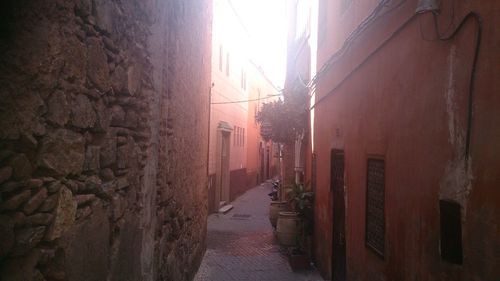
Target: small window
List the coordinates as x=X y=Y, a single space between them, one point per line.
x=227 y=64
x=375 y=206
x=451 y=232
x=243 y=139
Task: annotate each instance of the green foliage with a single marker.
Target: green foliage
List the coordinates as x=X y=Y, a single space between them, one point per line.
x=284 y=119
x=299 y=198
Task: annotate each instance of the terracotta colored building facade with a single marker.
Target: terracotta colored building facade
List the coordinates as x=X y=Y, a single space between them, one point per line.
x=405 y=137
x=238 y=157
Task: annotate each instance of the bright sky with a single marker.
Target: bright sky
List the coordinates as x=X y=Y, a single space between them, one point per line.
x=266 y=22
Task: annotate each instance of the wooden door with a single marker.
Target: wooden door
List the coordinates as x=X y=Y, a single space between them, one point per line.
x=338 y=233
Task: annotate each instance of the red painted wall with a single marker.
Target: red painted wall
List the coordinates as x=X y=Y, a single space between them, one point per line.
x=408 y=103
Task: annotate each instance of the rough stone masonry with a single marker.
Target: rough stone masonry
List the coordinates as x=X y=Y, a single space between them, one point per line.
x=103 y=132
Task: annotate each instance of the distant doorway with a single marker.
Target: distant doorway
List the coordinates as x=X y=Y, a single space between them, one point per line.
x=222 y=166
x=338 y=233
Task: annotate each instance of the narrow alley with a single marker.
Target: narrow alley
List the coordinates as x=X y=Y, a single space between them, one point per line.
x=241 y=244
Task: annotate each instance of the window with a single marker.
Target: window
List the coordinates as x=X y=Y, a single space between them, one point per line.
x=375 y=205
x=239 y=136
x=234 y=136
x=451 y=232
x=227 y=64
x=221 y=54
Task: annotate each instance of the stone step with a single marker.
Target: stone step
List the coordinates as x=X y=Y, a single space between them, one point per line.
x=225 y=209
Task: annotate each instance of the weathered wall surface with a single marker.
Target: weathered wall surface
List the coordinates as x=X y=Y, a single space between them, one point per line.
x=408 y=103
x=102 y=139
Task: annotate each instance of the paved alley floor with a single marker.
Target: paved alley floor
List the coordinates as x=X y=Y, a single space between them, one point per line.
x=241 y=244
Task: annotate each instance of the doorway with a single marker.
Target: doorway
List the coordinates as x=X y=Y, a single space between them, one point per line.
x=222 y=165
x=337 y=176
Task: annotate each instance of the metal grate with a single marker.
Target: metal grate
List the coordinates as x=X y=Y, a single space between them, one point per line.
x=375 y=201
x=240 y=216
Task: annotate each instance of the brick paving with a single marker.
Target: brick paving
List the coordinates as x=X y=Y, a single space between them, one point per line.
x=241 y=244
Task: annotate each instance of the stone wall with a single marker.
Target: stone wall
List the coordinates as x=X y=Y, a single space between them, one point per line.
x=103 y=139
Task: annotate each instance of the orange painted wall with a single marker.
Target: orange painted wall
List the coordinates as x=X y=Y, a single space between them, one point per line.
x=407 y=102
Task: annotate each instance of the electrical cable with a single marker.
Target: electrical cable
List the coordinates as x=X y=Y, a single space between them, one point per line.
x=365 y=24
x=241 y=101
x=470 y=98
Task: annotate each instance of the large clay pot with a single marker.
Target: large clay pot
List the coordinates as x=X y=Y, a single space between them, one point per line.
x=274 y=209
x=288 y=228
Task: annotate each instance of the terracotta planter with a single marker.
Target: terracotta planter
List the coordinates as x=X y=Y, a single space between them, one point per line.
x=288 y=228
x=274 y=209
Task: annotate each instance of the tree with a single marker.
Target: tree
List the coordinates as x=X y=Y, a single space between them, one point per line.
x=281 y=121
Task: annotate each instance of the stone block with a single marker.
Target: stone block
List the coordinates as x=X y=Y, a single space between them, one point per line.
x=15 y=201
x=92 y=158
x=84 y=212
x=117 y=116
x=21 y=166
x=6 y=235
x=103 y=15
x=58 y=109
x=97 y=67
x=64 y=214
x=19 y=269
x=103 y=117
x=39 y=219
x=62 y=152
x=131 y=119
x=34 y=183
x=35 y=201
x=107 y=175
x=108 y=150
x=84 y=199
x=54 y=186
x=49 y=204
x=27 y=239
x=82 y=113
x=5 y=174
x=12 y=186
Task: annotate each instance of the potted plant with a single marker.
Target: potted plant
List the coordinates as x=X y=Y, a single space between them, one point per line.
x=301 y=201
